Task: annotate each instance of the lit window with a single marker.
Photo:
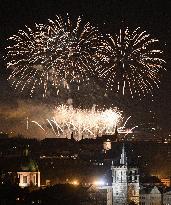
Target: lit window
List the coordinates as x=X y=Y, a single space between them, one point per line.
x=25 y=179
x=34 y=180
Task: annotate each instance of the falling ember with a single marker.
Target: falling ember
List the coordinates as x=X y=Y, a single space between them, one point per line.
x=134 y=64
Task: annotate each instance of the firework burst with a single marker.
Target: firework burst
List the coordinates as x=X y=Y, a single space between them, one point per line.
x=87 y=123
x=53 y=55
x=84 y=122
x=134 y=64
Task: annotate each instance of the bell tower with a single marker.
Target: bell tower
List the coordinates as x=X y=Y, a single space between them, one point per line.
x=125 y=184
x=120 y=182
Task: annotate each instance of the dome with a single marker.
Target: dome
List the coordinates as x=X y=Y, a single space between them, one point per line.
x=27 y=164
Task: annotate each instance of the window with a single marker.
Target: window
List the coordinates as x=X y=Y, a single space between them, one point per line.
x=34 y=179
x=25 y=179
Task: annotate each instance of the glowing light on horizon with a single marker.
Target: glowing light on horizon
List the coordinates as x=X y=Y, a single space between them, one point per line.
x=100 y=182
x=75 y=182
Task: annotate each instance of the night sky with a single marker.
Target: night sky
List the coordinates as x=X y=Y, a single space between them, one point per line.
x=109 y=15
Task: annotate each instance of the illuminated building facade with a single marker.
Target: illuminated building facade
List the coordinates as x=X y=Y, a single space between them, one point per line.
x=125 y=182
x=166 y=181
x=107 y=145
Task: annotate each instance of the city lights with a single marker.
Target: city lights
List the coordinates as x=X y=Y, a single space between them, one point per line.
x=99 y=182
x=75 y=182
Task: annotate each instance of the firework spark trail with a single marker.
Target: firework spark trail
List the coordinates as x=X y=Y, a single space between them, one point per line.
x=57 y=125
x=133 y=65
x=38 y=124
x=124 y=123
x=52 y=127
x=130 y=131
x=55 y=54
x=27 y=123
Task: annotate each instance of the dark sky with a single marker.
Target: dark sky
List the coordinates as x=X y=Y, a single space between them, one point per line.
x=151 y=15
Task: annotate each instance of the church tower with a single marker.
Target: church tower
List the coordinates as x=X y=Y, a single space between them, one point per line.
x=120 y=183
x=125 y=182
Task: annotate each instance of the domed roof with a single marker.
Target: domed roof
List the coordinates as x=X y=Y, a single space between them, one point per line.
x=27 y=164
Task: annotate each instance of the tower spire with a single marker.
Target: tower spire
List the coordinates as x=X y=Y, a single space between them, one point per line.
x=123 y=159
